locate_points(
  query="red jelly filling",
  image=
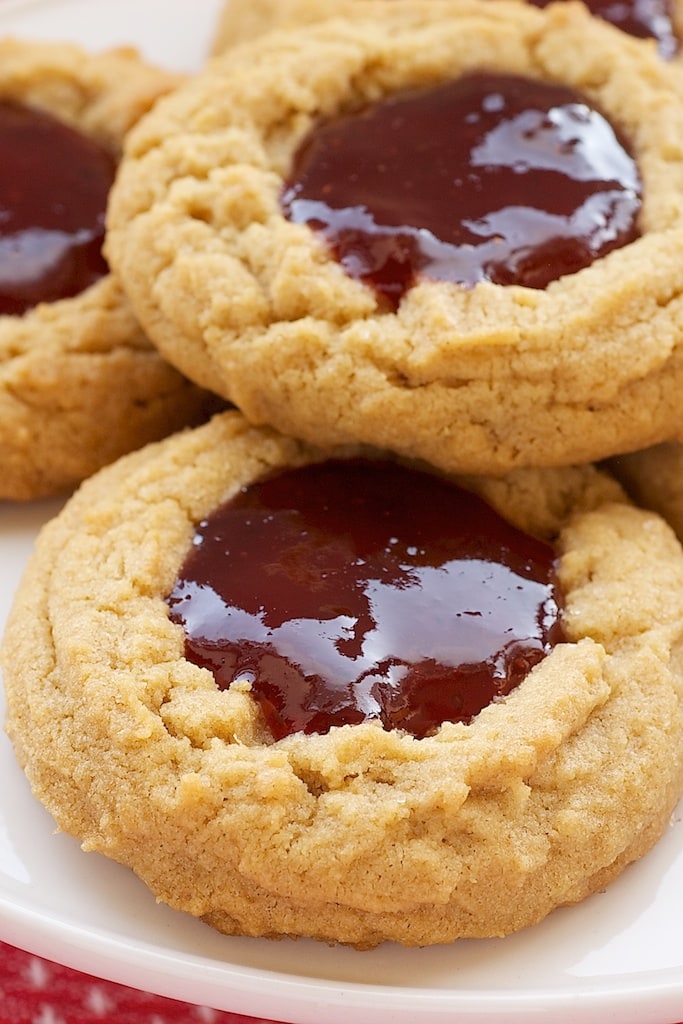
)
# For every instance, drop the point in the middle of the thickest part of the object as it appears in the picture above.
(645, 19)
(54, 185)
(491, 177)
(357, 590)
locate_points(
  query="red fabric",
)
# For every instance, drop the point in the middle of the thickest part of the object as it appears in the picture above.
(35, 991)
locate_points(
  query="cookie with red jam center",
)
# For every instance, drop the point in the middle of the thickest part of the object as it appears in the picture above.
(80, 383)
(314, 775)
(448, 231)
(243, 19)
(643, 19)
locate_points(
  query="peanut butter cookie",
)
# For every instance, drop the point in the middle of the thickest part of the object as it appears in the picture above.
(241, 20)
(177, 723)
(79, 381)
(298, 228)
(654, 478)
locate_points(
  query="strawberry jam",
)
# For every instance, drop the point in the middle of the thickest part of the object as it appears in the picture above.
(354, 590)
(491, 177)
(54, 184)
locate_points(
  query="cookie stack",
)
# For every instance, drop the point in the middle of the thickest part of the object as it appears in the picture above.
(379, 653)
(80, 383)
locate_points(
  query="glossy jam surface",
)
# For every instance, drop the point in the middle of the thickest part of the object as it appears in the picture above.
(358, 590)
(645, 19)
(54, 185)
(489, 177)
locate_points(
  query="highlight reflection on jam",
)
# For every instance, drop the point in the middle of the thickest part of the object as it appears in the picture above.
(356, 590)
(644, 19)
(489, 177)
(54, 184)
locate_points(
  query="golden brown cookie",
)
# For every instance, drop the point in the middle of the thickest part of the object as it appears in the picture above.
(359, 834)
(79, 381)
(473, 379)
(654, 479)
(241, 20)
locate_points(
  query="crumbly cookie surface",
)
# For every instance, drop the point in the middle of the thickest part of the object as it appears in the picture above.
(360, 835)
(473, 380)
(80, 383)
(241, 20)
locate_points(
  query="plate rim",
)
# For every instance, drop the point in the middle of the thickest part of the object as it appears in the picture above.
(650, 997)
(653, 997)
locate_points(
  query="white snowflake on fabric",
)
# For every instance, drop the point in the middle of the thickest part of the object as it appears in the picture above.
(48, 1015)
(37, 973)
(98, 1002)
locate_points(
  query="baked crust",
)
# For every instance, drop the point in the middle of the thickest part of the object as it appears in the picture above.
(654, 479)
(476, 380)
(242, 20)
(359, 835)
(80, 384)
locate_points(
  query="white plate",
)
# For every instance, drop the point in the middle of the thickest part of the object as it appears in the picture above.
(617, 958)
